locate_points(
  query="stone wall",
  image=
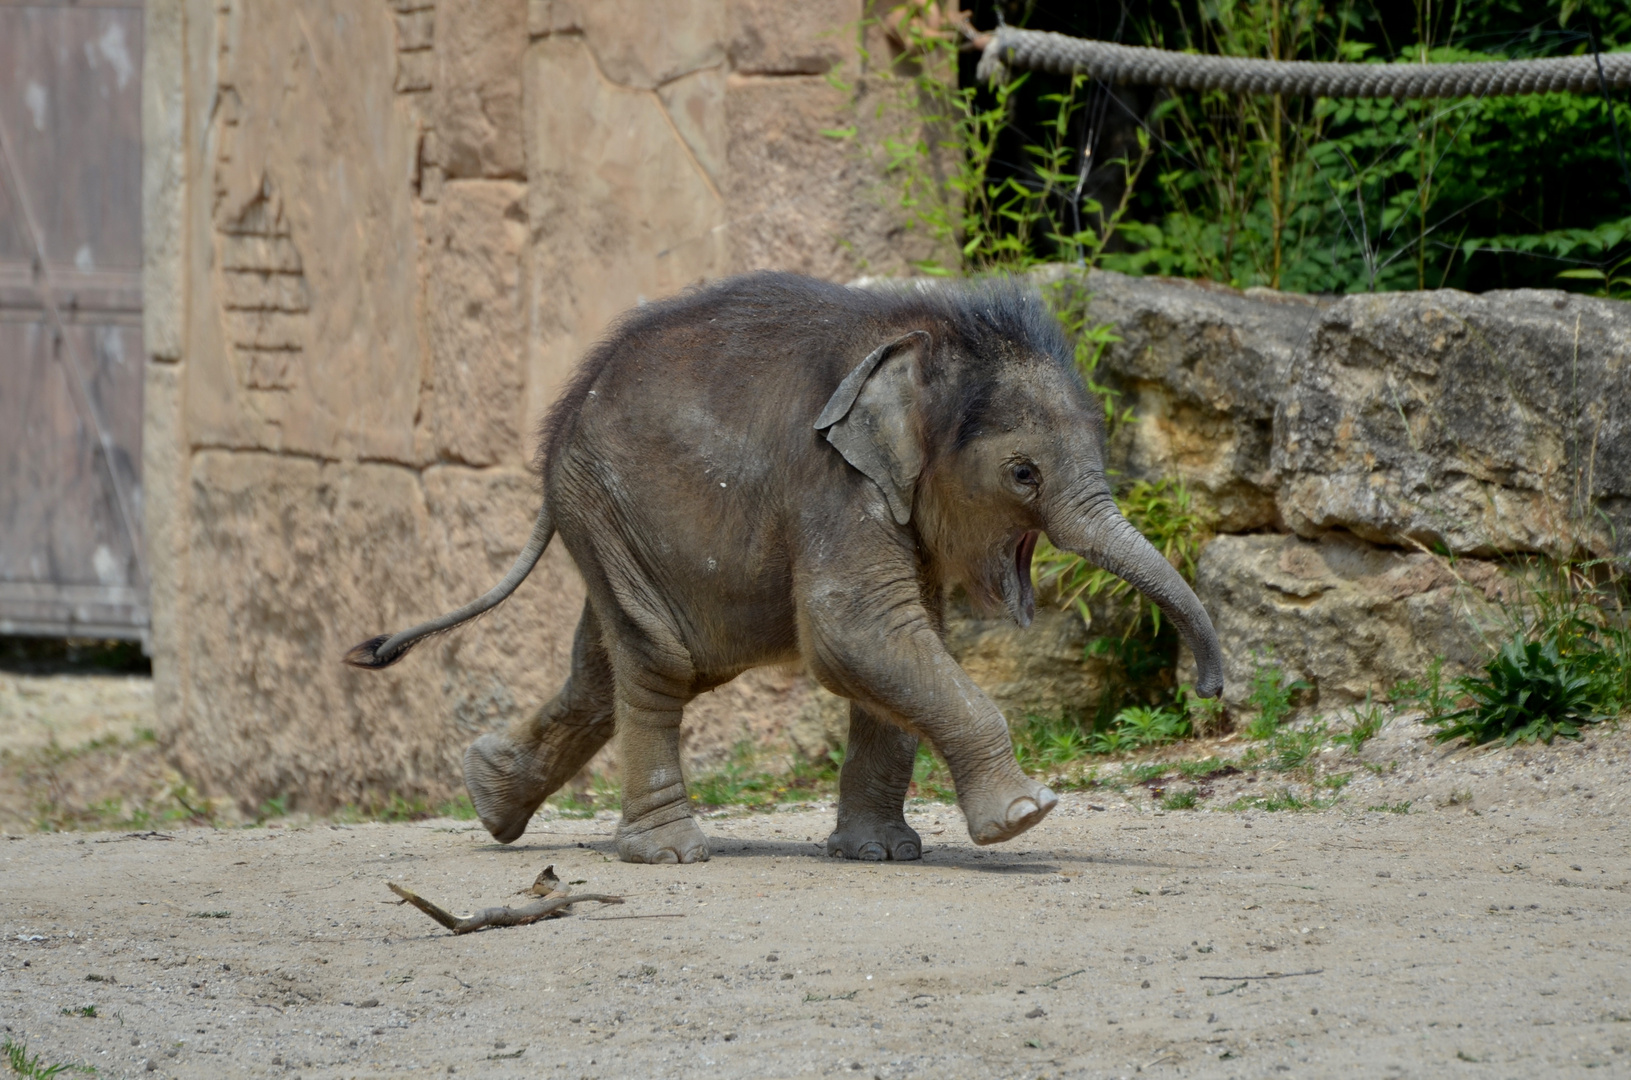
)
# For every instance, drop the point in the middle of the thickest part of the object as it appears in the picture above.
(379, 234)
(1366, 457)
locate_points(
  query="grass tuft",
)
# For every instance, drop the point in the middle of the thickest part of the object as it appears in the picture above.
(32, 1068)
(1284, 799)
(1180, 800)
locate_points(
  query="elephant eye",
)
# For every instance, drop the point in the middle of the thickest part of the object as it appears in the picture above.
(1025, 473)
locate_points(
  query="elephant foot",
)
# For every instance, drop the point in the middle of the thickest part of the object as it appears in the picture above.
(678, 841)
(875, 841)
(503, 786)
(998, 816)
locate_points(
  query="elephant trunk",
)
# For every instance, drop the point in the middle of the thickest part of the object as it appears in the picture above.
(1095, 529)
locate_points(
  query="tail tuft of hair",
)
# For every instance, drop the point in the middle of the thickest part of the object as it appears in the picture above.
(366, 655)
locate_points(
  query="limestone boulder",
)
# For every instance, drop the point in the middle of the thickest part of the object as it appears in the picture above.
(1201, 367)
(1479, 424)
(1345, 616)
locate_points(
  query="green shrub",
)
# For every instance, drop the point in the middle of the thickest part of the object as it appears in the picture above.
(1528, 692)
(1270, 696)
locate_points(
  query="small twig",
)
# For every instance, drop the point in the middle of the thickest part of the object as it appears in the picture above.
(1062, 978)
(1270, 975)
(554, 898)
(609, 918)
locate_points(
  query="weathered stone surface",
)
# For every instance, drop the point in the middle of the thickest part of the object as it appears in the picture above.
(1201, 367)
(770, 37)
(801, 200)
(696, 107)
(646, 43)
(621, 209)
(164, 515)
(474, 238)
(164, 176)
(1039, 669)
(513, 659)
(478, 116)
(271, 201)
(1481, 423)
(1346, 617)
(289, 559)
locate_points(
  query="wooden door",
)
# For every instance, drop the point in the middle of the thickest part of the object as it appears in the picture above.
(71, 555)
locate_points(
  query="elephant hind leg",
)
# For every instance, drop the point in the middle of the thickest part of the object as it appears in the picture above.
(509, 774)
(872, 790)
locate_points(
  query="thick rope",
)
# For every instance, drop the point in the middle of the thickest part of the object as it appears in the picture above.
(1037, 50)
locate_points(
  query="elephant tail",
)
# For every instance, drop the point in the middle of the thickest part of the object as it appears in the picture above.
(387, 649)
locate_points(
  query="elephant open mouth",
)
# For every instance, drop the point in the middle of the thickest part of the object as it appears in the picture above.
(1022, 598)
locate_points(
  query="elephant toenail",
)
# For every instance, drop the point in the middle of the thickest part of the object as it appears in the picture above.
(907, 852)
(1020, 810)
(872, 851)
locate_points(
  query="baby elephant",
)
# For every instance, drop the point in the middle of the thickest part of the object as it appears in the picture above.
(774, 469)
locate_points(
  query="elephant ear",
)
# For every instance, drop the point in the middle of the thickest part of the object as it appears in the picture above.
(872, 418)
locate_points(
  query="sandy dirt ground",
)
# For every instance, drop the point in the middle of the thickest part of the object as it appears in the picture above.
(1484, 933)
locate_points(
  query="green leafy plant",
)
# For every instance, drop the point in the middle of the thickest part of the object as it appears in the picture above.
(931, 779)
(1270, 695)
(1048, 742)
(1391, 808)
(1206, 715)
(1145, 772)
(1147, 726)
(1367, 723)
(1528, 692)
(1291, 749)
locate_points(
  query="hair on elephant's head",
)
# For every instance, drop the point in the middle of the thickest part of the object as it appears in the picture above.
(971, 417)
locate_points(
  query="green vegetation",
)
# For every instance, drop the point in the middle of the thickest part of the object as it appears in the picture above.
(1270, 696)
(740, 782)
(1430, 693)
(1367, 723)
(1180, 800)
(1200, 770)
(1304, 194)
(32, 1068)
(931, 778)
(1391, 808)
(1528, 692)
(1284, 799)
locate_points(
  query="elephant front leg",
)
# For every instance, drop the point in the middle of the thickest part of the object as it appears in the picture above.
(907, 674)
(872, 792)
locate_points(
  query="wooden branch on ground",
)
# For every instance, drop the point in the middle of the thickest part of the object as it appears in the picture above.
(554, 898)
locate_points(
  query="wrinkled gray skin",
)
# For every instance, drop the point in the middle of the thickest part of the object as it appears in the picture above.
(777, 470)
